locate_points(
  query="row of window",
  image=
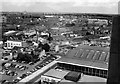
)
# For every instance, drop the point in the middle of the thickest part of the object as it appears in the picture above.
(84, 70)
(12, 44)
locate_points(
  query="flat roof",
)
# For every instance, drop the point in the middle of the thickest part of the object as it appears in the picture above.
(87, 78)
(67, 82)
(56, 74)
(97, 57)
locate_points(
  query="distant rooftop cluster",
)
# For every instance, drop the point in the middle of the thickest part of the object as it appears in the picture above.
(75, 47)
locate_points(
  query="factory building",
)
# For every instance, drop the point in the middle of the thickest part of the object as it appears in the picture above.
(82, 64)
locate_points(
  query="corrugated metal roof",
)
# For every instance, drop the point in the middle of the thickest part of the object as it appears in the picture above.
(95, 56)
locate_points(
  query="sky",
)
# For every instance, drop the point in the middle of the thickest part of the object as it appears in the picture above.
(66, 6)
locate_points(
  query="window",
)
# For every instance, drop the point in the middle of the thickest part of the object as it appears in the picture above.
(8, 44)
(105, 74)
(87, 70)
(5, 44)
(77, 68)
(101, 73)
(97, 72)
(82, 69)
(93, 71)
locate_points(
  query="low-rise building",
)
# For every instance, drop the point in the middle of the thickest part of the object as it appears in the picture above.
(10, 44)
(82, 64)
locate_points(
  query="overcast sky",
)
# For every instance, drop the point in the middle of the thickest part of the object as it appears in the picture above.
(69, 6)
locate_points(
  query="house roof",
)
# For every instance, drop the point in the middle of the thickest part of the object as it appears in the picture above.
(10, 33)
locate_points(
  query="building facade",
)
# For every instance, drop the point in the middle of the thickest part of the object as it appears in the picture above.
(11, 44)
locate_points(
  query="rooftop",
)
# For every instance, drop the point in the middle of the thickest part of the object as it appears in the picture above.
(84, 78)
(56, 74)
(88, 56)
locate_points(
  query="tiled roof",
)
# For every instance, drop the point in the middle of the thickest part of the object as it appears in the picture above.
(88, 56)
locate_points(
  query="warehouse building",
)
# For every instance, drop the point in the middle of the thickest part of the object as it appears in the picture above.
(82, 64)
